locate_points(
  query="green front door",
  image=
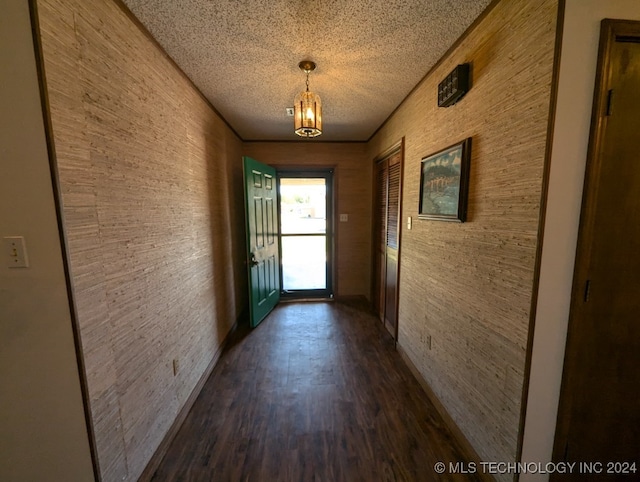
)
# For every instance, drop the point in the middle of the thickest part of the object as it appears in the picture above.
(263, 261)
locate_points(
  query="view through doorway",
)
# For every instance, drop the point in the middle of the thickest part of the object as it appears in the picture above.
(306, 233)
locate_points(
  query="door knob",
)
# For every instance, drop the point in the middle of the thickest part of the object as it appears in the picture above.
(254, 261)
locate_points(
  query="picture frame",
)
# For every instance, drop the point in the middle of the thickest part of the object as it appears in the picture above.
(444, 183)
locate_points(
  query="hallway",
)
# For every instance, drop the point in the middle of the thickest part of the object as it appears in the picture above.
(316, 392)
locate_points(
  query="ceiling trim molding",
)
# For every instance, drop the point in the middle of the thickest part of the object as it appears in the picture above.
(146, 32)
(390, 151)
(125, 9)
(444, 57)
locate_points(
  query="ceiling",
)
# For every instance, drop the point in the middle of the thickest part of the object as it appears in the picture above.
(243, 55)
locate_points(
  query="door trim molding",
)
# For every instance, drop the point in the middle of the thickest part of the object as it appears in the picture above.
(553, 101)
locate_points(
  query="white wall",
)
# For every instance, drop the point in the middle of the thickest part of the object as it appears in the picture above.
(43, 435)
(570, 139)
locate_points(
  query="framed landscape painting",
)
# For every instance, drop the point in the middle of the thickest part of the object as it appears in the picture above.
(444, 183)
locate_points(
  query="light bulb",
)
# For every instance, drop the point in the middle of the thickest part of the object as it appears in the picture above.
(310, 114)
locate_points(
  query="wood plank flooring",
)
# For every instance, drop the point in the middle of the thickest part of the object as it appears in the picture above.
(317, 392)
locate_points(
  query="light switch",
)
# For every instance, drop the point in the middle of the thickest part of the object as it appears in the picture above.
(344, 218)
(409, 222)
(15, 252)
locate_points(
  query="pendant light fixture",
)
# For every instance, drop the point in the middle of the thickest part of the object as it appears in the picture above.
(307, 107)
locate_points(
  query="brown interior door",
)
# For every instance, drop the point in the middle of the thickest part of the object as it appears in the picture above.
(393, 231)
(599, 413)
(387, 240)
(380, 239)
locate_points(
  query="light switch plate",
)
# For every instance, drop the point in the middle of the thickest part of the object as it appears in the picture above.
(344, 218)
(409, 222)
(15, 252)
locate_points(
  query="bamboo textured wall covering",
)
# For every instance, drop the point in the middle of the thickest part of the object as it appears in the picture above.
(149, 176)
(152, 213)
(469, 286)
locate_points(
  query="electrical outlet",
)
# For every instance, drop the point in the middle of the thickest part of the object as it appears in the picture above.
(15, 252)
(176, 366)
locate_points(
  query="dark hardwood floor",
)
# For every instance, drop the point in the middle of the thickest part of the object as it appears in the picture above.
(316, 393)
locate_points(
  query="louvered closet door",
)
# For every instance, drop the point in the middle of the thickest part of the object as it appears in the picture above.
(380, 241)
(386, 242)
(392, 242)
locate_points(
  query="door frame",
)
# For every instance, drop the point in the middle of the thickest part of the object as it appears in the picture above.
(311, 172)
(398, 146)
(609, 30)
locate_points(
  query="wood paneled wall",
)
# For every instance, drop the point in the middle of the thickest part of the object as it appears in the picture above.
(149, 176)
(353, 187)
(469, 286)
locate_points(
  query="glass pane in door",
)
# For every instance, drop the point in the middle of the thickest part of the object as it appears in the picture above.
(304, 262)
(303, 218)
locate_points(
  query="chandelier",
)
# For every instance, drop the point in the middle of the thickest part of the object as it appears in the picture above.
(307, 107)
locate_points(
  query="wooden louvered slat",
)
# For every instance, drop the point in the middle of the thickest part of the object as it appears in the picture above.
(380, 236)
(393, 205)
(381, 204)
(386, 238)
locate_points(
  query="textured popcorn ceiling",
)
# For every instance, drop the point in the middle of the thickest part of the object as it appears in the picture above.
(243, 55)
